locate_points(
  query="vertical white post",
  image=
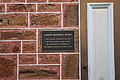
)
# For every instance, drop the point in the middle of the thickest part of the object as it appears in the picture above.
(100, 41)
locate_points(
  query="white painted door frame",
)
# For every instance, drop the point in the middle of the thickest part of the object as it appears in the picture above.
(91, 47)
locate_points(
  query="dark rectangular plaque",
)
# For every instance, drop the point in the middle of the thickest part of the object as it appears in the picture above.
(58, 41)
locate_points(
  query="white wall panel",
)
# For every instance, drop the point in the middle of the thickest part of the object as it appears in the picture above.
(100, 41)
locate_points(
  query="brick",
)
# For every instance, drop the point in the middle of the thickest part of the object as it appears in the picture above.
(6, 1)
(70, 15)
(17, 34)
(76, 32)
(27, 59)
(37, 0)
(13, 21)
(63, 0)
(8, 68)
(49, 7)
(29, 47)
(2, 8)
(49, 59)
(10, 47)
(45, 20)
(70, 66)
(39, 72)
(21, 8)
(39, 41)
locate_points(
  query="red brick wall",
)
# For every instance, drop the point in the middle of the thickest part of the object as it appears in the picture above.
(21, 23)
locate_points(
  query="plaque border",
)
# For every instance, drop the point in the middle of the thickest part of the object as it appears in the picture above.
(58, 50)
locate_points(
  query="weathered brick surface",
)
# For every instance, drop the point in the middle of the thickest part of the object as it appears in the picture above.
(10, 47)
(39, 72)
(40, 41)
(70, 15)
(17, 34)
(21, 25)
(13, 20)
(29, 47)
(45, 20)
(21, 8)
(27, 59)
(2, 8)
(12, 1)
(49, 59)
(76, 32)
(37, 0)
(49, 7)
(70, 67)
(8, 67)
(63, 0)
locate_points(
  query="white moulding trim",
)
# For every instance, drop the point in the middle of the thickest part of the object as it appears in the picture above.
(109, 7)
